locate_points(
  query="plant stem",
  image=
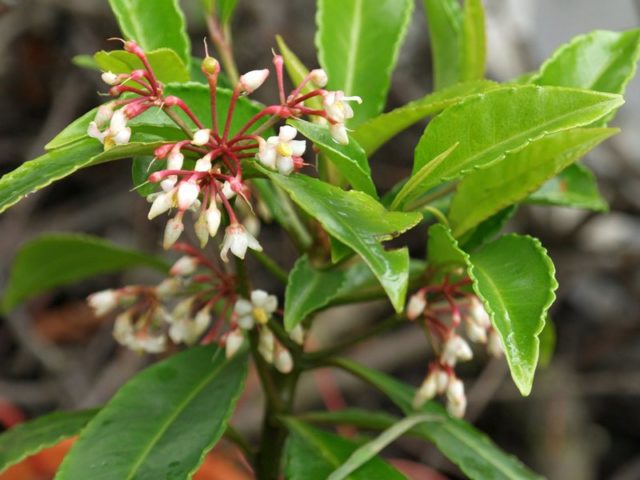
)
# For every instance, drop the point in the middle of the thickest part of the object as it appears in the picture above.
(267, 262)
(222, 42)
(234, 436)
(178, 121)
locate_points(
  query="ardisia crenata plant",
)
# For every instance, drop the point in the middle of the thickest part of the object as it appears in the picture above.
(208, 159)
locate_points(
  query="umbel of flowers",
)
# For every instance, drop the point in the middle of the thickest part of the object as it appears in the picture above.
(216, 178)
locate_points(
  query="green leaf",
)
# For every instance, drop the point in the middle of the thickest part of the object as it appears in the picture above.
(474, 41)
(141, 168)
(226, 9)
(575, 187)
(375, 132)
(161, 26)
(308, 289)
(312, 454)
(490, 125)
(487, 191)
(297, 71)
(445, 21)
(487, 230)
(166, 64)
(350, 159)
(358, 43)
(85, 61)
(54, 260)
(412, 189)
(29, 438)
(162, 422)
(601, 60)
(360, 222)
(472, 451)
(35, 174)
(515, 279)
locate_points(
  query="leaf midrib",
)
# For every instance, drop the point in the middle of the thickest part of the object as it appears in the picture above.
(354, 40)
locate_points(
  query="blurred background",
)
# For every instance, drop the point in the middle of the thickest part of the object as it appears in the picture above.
(582, 420)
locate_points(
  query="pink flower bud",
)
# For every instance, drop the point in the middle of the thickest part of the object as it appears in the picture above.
(163, 150)
(251, 81)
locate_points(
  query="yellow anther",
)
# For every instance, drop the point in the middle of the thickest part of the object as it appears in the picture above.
(260, 315)
(284, 149)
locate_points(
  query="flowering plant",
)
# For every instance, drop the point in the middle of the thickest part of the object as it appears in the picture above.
(208, 157)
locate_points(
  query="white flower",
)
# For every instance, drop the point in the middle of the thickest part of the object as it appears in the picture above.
(237, 239)
(283, 360)
(117, 134)
(475, 332)
(203, 164)
(319, 77)
(417, 304)
(168, 287)
(109, 78)
(259, 309)
(187, 194)
(233, 342)
(494, 345)
(227, 190)
(172, 231)
(427, 390)
(104, 114)
(162, 203)
(251, 81)
(187, 330)
(200, 227)
(339, 133)
(455, 348)
(149, 343)
(478, 313)
(201, 137)
(336, 106)
(267, 345)
(184, 266)
(279, 152)
(456, 398)
(442, 380)
(103, 302)
(175, 159)
(213, 217)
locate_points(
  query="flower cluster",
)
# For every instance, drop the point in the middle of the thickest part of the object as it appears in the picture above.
(442, 322)
(203, 173)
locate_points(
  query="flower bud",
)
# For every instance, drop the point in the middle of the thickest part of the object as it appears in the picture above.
(442, 380)
(187, 194)
(213, 217)
(184, 266)
(319, 77)
(201, 137)
(455, 348)
(283, 360)
(104, 114)
(251, 81)
(175, 160)
(103, 302)
(339, 133)
(200, 227)
(478, 313)
(168, 287)
(210, 66)
(168, 183)
(203, 164)
(417, 304)
(161, 204)
(266, 345)
(456, 398)
(494, 344)
(109, 78)
(172, 232)
(427, 390)
(233, 342)
(475, 332)
(297, 334)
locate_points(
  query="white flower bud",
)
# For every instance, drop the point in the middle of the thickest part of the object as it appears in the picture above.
(172, 232)
(187, 194)
(203, 164)
(283, 360)
(109, 78)
(213, 217)
(456, 398)
(201, 137)
(478, 313)
(227, 191)
(455, 348)
(201, 230)
(168, 287)
(427, 390)
(442, 380)
(417, 304)
(104, 114)
(266, 345)
(494, 345)
(184, 266)
(103, 302)
(475, 332)
(175, 160)
(319, 77)
(168, 183)
(297, 334)
(233, 342)
(339, 133)
(161, 204)
(251, 81)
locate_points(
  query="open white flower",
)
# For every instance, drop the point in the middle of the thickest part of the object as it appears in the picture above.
(279, 152)
(237, 239)
(103, 302)
(257, 310)
(337, 107)
(117, 134)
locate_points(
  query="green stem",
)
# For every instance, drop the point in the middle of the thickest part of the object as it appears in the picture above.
(178, 121)
(234, 436)
(270, 264)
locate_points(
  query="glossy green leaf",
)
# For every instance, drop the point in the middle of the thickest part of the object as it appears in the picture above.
(474, 41)
(141, 168)
(445, 21)
(575, 187)
(412, 189)
(226, 9)
(360, 222)
(162, 25)
(35, 174)
(490, 125)
(601, 60)
(350, 159)
(487, 191)
(54, 260)
(375, 132)
(162, 422)
(308, 289)
(166, 64)
(443, 251)
(358, 43)
(487, 230)
(515, 279)
(85, 61)
(297, 71)
(314, 454)
(29, 438)
(471, 450)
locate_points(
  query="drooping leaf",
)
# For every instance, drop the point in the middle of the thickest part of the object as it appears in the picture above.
(166, 64)
(350, 159)
(471, 450)
(575, 187)
(308, 289)
(162, 422)
(360, 222)
(601, 60)
(375, 132)
(157, 26)
(54, 260)
(515, 279)
(486, 191)
(445, 21)
(297, 71)
(490, 125)
(474, 41)
(312, 454)
(29, 438)
(358, 43)
(42, 171)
